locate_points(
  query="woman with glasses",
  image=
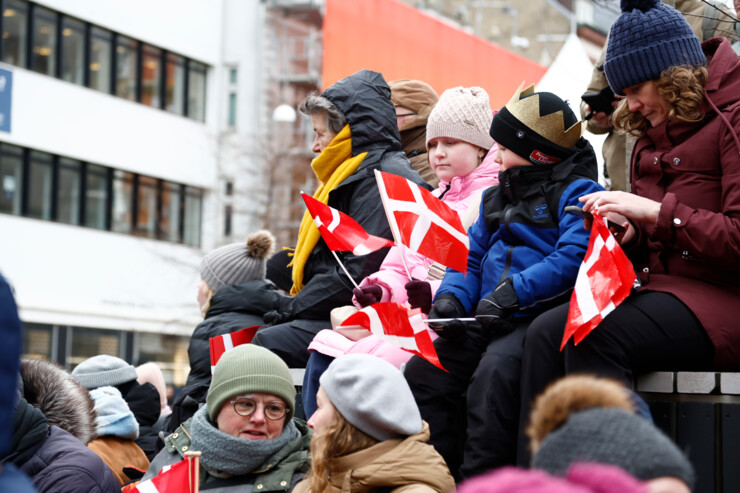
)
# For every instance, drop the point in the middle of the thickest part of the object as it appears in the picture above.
(369, 435)
(246, 432)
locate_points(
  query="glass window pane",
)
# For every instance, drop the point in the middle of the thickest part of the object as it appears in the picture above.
(197, 91)
(123, 186)
(44, 41)
(175, 90)
(39, 190)
(96, 194)
(151, 76)
(170, 222)
(232, 110)
(101, 42)
(146, 222)
(68, 195)
(73, 50)
(169, 352)
(193, 202)
(126, 68)
(37, 341)
(87, 343)
(11, 174)
(15, 15)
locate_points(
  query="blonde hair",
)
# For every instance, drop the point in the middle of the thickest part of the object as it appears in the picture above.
(208, 291)
(683, 89)
(336, 440)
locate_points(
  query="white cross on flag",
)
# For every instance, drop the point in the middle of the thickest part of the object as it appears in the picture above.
(341, 232)
(220, 344)
(422, 222)
(397, 325)
(171, 479)
(604, 280)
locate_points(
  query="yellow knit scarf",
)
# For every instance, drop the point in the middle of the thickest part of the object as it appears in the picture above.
(332, 167)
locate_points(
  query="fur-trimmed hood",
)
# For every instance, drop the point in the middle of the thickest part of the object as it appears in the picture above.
(64, 402)
(570, 395)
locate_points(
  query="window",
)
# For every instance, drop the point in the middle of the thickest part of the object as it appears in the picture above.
(15, 20)
(171, 206)
(232, 76)
(39, 186)
(232, 110)
(169, 352)
(229, 188)
(175, 88)
(73, 50)
(86, 343)
(101, 44)
(37, 341)
(193, 203)
(96, 197)
(11, 174)
(126, 57)
(197, 91)
(44, 41)
(228, 214)
(68, 192)
(151, 76)
(146, 221)
(123, 191)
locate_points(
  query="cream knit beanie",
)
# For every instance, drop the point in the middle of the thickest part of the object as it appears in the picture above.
(462, 113)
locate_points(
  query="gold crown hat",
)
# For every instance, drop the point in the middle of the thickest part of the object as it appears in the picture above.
(541, 138)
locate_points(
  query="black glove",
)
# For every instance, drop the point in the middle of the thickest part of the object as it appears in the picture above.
(495, 312)
(420, 295)
(282, 313)
(369, 295)
(447, 306)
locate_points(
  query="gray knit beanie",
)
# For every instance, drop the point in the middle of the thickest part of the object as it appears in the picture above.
(372, 395)
(238, 262)
(617, 437)
(249, 368)
(102, 370)
(462, 113)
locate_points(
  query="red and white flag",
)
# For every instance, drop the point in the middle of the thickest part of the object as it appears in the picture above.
(221, 344)
(422, 222)
(341, 232)
(604, 280)
(398, 325)
(176, 478)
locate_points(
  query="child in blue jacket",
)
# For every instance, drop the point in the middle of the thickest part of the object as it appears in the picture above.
(525, 252)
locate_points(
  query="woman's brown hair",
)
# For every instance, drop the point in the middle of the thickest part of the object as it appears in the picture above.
(336, 440)
(683, 89)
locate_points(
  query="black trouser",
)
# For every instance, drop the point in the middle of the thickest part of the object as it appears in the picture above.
(290, 340)
(489, 371)
(649, 331)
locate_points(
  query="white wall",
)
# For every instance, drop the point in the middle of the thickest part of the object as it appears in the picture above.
(78, 276)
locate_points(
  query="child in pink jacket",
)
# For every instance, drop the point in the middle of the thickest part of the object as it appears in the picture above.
(458, 144)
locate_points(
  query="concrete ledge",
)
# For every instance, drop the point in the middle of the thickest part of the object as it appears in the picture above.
(659, 381)
(729, 383)
(689, 382)
(696, 382)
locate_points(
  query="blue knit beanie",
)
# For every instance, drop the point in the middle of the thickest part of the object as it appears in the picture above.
(646, 39)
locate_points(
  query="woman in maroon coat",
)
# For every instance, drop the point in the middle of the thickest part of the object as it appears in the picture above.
(682, 100)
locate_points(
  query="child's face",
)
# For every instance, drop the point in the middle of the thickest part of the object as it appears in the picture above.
(450, 157)
(506, 158)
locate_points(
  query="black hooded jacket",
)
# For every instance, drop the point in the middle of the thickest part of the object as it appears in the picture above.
(364, 99)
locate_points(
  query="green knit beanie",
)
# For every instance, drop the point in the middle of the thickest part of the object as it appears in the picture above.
(249, 368)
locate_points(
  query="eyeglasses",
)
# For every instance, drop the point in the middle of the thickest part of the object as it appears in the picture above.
(245, 406)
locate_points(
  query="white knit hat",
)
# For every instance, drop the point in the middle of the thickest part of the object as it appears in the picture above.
(372, 395)
(462, 113)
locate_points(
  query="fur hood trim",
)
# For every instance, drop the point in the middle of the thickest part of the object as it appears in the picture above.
(570, 395)
(64, 402)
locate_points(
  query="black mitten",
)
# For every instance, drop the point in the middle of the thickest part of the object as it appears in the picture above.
(369, 295)
(420, 295)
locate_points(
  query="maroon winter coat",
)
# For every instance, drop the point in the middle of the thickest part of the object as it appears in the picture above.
(693, 170)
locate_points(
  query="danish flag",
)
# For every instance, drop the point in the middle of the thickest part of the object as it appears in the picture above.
(176, 478)
(398, 325)
(341, 232)
(220, 344)
(604, 280)
(422, 222)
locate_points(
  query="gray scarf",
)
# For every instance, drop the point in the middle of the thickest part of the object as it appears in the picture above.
(225, 455)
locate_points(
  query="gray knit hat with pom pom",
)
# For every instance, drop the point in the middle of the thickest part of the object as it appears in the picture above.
(238, 262)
